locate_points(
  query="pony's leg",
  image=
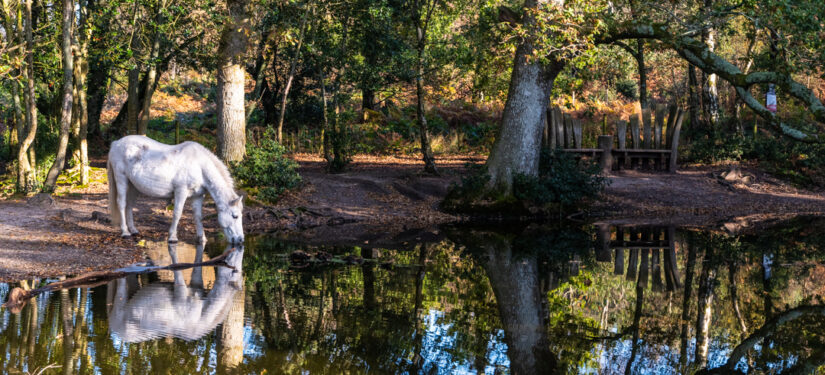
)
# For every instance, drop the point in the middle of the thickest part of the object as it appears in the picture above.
(122, 191)
(131, 199)
(180, 200)
(197, 210)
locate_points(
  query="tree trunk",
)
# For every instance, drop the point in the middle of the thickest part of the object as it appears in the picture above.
(338, 143)
(710, 95)
(68, 91)
(16, 134)
(26, 177)
(144, 115)
(325, 129)
(421, 118)
(230, 101)
(132, 102)
(640, 64)
(81, 111)
(368, 99)
(426, 149)
(293, 65)
(516, 150)
(96, 93)
(258, 72)
(693, 99)
(83, 132)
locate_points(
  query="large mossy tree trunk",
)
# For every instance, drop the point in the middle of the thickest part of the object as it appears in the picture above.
(230, 106)
(518, 145)
(67, 97)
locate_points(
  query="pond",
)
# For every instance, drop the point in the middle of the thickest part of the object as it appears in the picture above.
(531, 300)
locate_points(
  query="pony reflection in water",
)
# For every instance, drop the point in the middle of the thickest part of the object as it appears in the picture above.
(140, 164)
(163, 309)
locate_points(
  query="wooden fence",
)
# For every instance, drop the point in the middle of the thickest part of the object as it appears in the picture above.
(641, 253)
(654, 142)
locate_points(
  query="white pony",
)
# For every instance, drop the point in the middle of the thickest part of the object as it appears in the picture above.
(140, 164)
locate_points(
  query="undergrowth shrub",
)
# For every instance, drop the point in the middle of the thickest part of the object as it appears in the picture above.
(564, 179)
(802, 164)
(565, 182)
(266, 170)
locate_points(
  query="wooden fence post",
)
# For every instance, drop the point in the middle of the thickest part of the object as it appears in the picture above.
(177, 132)
(634, 131)
(621, 131)
(559, 127)
(568, 131)
(603, 242)
(659, 123)
(577, 133)
(618, 262)
(551, 117)
(606, 145)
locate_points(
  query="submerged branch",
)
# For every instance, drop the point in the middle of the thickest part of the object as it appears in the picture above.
(18, 297)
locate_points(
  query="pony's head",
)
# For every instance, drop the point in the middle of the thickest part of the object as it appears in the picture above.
(230, 218)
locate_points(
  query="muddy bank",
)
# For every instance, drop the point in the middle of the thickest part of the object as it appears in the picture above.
(41, 237)
(701, 196)
(380, 202)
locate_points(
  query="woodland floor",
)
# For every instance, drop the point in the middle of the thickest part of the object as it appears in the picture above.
(378, 201)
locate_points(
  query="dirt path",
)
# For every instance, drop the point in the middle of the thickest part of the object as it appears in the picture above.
(379, 201)
(41, 238)
(698, 196)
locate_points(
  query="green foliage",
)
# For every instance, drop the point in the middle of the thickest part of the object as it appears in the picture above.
(629, 88)
(564, 182)
(563, 179)
(471, 188)
(716, 147)
(266, 169)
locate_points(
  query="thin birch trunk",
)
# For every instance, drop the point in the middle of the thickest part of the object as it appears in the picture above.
(26, 177)
(68, 97)
(293, 65)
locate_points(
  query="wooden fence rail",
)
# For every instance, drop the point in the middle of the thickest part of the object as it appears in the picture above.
(654, 144)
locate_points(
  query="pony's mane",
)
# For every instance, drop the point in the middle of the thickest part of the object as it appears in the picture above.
(220, 166)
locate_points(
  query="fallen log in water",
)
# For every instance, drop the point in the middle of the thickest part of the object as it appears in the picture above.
(18, 297)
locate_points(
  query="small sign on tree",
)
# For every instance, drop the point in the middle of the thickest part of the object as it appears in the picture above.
(771, 98)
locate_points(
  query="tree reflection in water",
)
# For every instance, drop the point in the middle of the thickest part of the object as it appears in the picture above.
(587, 299)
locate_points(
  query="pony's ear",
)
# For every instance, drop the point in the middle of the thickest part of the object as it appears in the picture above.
(235, 201)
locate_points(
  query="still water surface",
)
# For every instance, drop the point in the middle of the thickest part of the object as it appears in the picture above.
(584, 299)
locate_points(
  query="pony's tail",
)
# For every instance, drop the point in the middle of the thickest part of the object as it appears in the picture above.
(114, 210)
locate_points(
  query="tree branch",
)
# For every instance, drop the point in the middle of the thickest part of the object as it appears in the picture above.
(697, 53)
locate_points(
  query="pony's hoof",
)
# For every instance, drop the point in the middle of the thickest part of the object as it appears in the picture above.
(125, 236)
